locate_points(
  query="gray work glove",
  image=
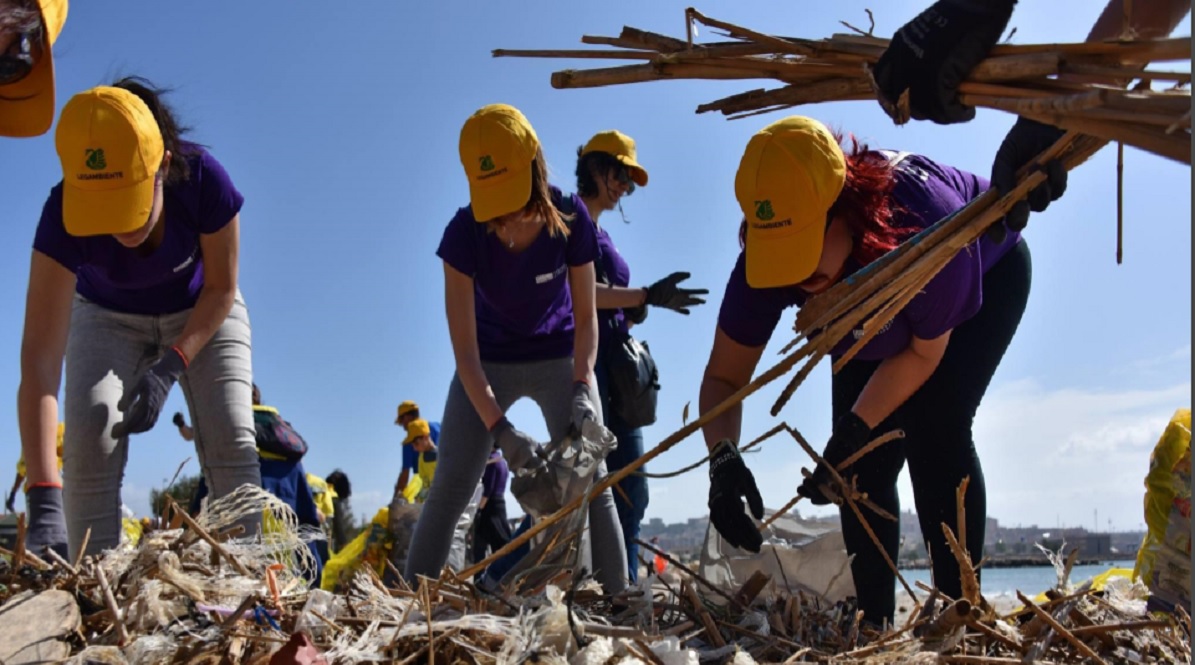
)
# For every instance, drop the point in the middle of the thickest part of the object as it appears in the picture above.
(667, 294)
(47, 522)
(520, 450)
(582, 404)
(143, 404)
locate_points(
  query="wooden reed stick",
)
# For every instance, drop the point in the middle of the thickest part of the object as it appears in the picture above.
(207, 537)
(846, 495)
(1061, 630)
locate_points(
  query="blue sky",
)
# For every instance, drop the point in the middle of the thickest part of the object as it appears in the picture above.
(340, 127)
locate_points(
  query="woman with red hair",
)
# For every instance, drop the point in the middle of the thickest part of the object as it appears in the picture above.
(813, 215)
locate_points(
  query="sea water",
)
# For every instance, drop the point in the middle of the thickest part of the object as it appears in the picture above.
(1029, 580)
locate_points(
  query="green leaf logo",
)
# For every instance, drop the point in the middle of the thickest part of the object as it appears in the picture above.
(763, 210)
(487, 163)
(95, 159)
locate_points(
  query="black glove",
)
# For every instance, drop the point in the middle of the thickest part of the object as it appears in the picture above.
(932, 54)
(142, 405)
(11, 503)
(666, 294)
(582, 404)
(850, 434)
(730, 481)
(179, 421)
(47, 521)
(519, 449)
(1026, 140)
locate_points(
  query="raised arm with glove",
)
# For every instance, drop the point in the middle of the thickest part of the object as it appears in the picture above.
(668, 294)
(931, 55)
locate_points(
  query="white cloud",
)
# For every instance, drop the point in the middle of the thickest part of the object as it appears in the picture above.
(1060, 455)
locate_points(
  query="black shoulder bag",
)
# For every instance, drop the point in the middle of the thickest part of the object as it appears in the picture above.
(631, 375)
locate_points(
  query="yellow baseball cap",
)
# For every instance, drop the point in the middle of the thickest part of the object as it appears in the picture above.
(622, 147)
(497, 148)
(405, 408)
(416, 429)
(111, 149)
(27, 105)
(791, 174)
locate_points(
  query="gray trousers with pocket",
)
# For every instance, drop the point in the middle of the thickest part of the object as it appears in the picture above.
(465, 446)
(106, 353)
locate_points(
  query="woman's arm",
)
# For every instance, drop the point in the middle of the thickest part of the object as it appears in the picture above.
(462, 329)
(619, 297)
(220, 252)
(898, 377)
(47, 322)
(581, 284)
(729, 369)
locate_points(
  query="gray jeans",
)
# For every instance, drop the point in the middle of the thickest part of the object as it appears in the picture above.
(108, 351)
(465, 446)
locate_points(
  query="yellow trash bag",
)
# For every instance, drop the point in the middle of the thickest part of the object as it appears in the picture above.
(1161, 490)
(1098, 583)
(413, 488)
(371, 547)
(131, 529)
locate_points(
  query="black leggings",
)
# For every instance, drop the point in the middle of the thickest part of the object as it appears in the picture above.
(938, 443)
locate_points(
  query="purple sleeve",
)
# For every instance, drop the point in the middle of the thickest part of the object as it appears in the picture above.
(748, 316)
(457, 247)
(219, 200)
(51, 237)
(582, 240)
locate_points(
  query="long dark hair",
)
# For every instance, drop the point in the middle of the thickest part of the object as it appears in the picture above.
(172, 130)
(865, 204)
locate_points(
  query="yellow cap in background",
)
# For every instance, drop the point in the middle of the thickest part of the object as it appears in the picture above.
(416, 429)
(791, 174)
(497, 147)
(405, 408)
(622, 147)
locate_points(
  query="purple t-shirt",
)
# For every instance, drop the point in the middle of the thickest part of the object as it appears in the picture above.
(493, 479)
(618, 273)
(925, 192)
(523, 305)
(168, 280)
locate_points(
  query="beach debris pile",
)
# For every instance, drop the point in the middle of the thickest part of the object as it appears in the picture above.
(203, 593)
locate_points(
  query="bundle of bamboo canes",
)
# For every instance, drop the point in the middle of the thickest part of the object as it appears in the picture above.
(1079, 87)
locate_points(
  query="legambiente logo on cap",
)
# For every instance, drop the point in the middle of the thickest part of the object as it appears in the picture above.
(95, 159)
(96, 162)
(488, 168)
(763, 209)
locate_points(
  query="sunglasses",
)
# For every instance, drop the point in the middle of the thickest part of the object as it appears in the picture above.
(16, 66)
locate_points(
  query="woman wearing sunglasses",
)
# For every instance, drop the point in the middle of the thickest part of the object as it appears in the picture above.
(28, 30)
(607, 170)
(519, 288)
(814, 214)
(134, 282)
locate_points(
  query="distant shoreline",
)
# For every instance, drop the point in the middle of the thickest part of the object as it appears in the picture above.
(1020, 562)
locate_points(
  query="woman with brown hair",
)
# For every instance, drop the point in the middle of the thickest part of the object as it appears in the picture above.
(815, 214)
(519, 289)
